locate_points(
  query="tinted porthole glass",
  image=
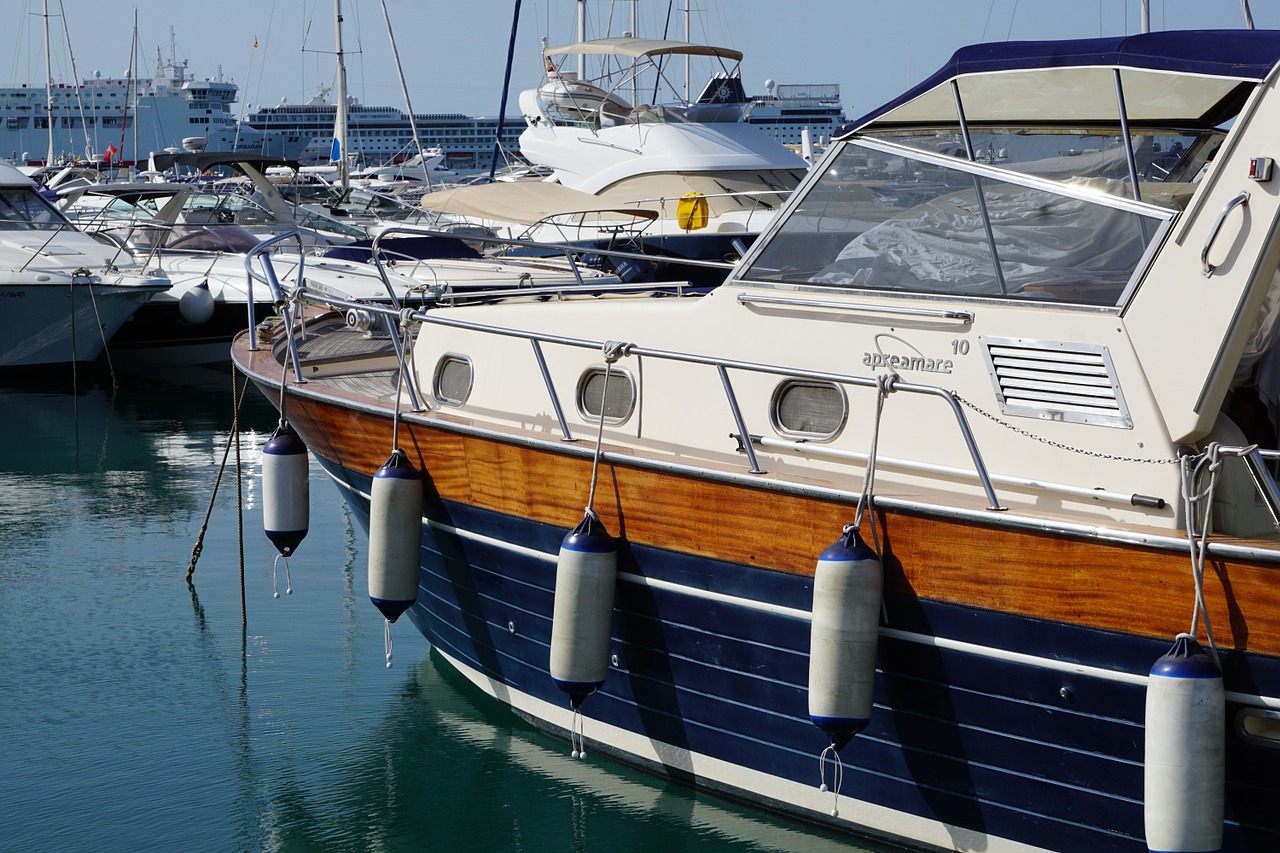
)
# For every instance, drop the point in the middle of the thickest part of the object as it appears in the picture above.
(452, 380)
(619, 399)
(809, 409)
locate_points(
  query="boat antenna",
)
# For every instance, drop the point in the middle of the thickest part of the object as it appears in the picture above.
(1248, 15)
(413, 126)
(506, 84)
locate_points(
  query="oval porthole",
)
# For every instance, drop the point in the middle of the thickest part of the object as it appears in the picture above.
(809, 409)
(451, 384)
(616, 402)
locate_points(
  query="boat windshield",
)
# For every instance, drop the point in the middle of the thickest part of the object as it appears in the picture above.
(22, 209)
(886, 218)
(1160, 155)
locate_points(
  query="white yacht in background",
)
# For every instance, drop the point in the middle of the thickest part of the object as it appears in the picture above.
(707, 181)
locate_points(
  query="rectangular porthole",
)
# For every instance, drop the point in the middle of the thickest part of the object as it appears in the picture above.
(452, 383)
(808, 409)
(617, 401)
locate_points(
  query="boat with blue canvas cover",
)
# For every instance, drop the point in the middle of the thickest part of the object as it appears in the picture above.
(948, 519)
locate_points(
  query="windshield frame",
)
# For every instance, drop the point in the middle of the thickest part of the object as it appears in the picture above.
(1163, 217)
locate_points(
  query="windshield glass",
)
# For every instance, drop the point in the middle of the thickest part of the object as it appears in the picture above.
(22, 208)
(1160, 155)
(883, 218)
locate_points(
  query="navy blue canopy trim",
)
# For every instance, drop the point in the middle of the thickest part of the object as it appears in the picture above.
(1242, 54)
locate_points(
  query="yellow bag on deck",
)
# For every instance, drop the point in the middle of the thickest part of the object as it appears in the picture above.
(692, 211)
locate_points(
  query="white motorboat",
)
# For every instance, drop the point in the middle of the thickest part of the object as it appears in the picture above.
(711, 181)
(63, 295)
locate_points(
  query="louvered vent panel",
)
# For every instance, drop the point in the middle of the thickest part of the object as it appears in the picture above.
(1056, 381)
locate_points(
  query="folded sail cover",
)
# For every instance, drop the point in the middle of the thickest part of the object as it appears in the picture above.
(1174, 77)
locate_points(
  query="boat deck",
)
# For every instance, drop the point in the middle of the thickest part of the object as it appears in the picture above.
(349, 359)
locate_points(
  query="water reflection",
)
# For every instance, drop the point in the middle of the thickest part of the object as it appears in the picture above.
(447, 764)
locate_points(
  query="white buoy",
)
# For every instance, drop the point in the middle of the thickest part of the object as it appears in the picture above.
(395, 536)
(1185, 752)
(582, 618)
(843, 636)
(285, 490)
(197, 304)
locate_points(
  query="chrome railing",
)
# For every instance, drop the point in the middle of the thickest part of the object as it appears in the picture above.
(722, 365)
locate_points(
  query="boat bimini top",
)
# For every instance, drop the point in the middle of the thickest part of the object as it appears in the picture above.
(1178, 78)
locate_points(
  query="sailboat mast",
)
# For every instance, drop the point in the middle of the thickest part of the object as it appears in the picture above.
(686, 58)
(48, 83)
(404, 87)
(582, 36)
(340, 118)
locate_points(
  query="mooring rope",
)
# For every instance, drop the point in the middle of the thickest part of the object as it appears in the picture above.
(102, 333)
(884, 387)
(837, 776)
(238, 401)
(612, 351)
(1200, 503)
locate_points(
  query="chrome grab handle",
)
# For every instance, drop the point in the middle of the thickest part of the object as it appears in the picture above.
(902, 311)
(1205, 267)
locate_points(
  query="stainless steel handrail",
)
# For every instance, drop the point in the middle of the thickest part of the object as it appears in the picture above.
(722, 365)
(863, 307)
(1207, 268)
(268, 277)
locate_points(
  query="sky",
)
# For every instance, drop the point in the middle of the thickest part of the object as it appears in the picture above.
(453, 55)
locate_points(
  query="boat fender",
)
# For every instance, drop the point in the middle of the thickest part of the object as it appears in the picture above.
(582, 615)
(395, 535)
(197, 304)
(843, 636)
(285, 490)
(1185, 751)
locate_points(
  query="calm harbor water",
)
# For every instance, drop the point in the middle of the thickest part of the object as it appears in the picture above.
(137, 715)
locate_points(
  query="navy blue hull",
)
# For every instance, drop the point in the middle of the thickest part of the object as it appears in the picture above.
(961, 733)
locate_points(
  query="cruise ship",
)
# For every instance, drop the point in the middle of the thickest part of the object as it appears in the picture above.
(785, 110)
(379, 134)
(130, 119)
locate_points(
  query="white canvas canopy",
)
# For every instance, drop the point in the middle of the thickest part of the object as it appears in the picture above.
(637, 48)
(522, 202)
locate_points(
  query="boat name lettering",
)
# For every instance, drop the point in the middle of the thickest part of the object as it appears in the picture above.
(876, 360)
(14, 294)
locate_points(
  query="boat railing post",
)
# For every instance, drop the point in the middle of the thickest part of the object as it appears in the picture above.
(268, 277)
(375, 250)
(551, 389)
(743, 436)
(969, 440)
(405, 373)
